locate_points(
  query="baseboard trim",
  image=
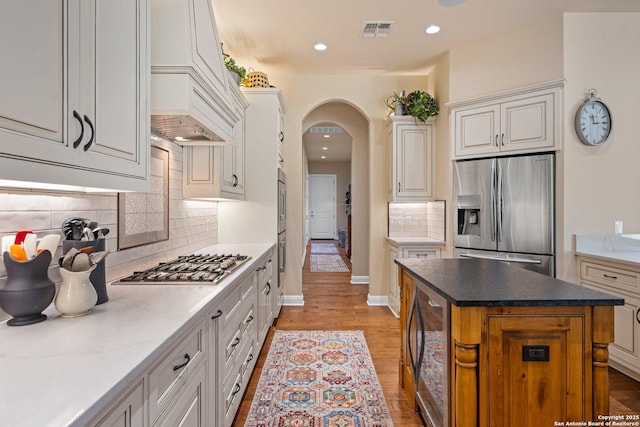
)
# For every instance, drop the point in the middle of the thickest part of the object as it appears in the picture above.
(359, 280)
(293, 300)
(377, 300)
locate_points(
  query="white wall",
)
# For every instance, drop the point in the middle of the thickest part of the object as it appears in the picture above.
(192, 224)
(600, 184)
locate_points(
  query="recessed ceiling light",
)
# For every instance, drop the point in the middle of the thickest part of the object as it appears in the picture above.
(182, 139)
(323, 157)
(327, 136)
(325, 148)
(432, 29)
(320, 47)
(451, 2)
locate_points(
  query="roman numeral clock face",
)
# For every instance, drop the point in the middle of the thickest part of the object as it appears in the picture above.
(593, 122)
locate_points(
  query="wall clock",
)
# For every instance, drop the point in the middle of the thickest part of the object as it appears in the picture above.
(593, 120)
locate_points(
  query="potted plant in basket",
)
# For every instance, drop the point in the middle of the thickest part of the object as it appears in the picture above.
(421, 105)
(238, 72)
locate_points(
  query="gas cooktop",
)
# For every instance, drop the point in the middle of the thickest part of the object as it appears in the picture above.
(189, 270)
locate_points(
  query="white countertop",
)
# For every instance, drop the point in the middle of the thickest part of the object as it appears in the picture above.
(61, 371)
(614, 247)
(414, 241)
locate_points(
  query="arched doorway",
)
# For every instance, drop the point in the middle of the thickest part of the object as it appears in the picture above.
(347, 156)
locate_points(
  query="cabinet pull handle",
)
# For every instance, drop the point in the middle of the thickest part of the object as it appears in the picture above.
(250, 358)
(218, 314)
(497, 140)
(182, 365)
(503, 139)
(268, 288)
(236, 389)
(249, 319)
(235, 180)
(77, 141)
(235, 342)
(398, 187)
(638, 315)
(281, 136)
(88, 144)
(609, 276)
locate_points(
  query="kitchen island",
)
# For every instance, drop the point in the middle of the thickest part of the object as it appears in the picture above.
(139, 359)
(518, 348)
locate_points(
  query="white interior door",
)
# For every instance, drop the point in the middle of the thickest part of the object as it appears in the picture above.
(322, 206)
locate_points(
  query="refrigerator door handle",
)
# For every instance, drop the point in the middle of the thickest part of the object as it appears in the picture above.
(499, 202)
(493, 200)
(498, 258)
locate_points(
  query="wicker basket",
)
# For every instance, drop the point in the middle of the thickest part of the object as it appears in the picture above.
(256, 79)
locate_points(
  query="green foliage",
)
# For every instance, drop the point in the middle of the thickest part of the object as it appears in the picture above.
(231, 65)
(421, 105)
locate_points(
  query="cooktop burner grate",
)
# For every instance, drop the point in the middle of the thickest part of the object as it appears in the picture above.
(188, 269)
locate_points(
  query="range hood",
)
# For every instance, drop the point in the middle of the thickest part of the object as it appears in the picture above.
(191, 99)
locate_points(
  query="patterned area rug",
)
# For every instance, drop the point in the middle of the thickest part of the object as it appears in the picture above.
(318, 379)
(326, 263)
(323, 248)
(431, 370)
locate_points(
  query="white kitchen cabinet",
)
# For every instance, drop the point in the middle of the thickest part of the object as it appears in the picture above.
(397, 250)
(74, 85)
(237, 343)
(189, 409)
(128, 411)
(256, 219)
(621, 280)
(218, 172)
(266, 293)
(168, 376)
(527, 120)
(412, 159)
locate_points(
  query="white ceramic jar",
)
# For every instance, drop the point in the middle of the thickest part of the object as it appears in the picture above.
(76, 295)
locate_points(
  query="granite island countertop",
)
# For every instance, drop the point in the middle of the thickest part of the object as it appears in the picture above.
(486, 283)
(61, 372)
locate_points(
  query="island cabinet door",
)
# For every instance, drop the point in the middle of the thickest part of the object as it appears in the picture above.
(536, 371)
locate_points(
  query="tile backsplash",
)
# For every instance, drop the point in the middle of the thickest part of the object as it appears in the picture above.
(192, 224)
(417, 220)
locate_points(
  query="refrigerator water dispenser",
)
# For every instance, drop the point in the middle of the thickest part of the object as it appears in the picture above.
(468, 208)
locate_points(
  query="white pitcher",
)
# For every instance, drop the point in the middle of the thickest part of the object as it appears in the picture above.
(76, 295)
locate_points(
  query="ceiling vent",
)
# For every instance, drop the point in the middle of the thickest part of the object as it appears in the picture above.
(376, 29)
(326, 129)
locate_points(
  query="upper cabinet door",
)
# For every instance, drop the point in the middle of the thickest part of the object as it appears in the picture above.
(32, 101)
(527, 123)
(115, 67)
(412, 166)
(74, 102)
(476, 130)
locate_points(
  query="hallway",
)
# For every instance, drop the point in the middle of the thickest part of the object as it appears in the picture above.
(332, 303)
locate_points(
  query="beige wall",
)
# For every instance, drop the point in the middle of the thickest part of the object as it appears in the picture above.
(524, 56)
(303, 93)
(342, 171)
(600, 183)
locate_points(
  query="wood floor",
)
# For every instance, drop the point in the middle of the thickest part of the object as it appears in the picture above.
(332, 303)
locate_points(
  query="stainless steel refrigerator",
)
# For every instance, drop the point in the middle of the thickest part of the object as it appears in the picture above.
(505, 210)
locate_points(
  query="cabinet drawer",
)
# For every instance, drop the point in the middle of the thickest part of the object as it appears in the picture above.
(232, 304)
(232, 394)
(168, 376)
(610, 276)
(420, 253)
